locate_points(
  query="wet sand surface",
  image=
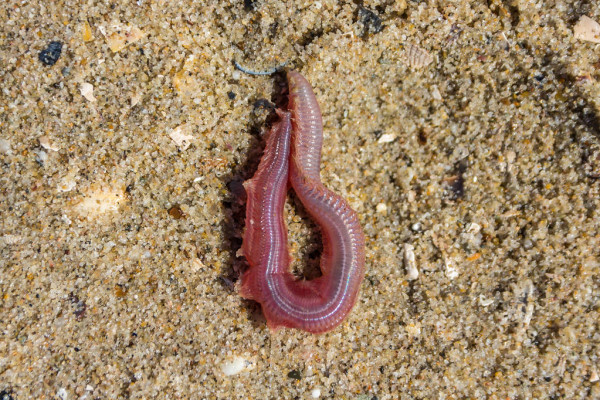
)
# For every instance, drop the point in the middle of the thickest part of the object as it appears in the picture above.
(465, 135)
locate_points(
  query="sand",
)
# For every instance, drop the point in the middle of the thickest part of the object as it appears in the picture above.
(467, 133)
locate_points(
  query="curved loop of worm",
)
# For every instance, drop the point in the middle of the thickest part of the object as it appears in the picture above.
(269, 71)
(292, 157)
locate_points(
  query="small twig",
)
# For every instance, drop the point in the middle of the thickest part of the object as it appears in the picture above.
(270, 71)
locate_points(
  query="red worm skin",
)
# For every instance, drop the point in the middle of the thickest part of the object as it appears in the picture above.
(293, 154)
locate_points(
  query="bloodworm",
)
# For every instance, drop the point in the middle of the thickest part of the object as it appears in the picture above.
(293, 155)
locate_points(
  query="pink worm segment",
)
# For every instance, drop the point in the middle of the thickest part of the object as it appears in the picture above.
(293, 154)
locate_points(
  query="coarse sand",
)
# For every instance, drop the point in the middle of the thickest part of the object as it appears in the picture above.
(465, 134)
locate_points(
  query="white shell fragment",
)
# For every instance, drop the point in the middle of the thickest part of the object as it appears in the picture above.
(451, 270)
(485, 302)
(235, 365)
(135, 99)
(410, 262)
(417, 57)
(180, 138)
(435, 93)
(46, 143)
(587, 29)
(387, 138)
(100, 200)
(67, 183)
(5, 146)
(87, 91)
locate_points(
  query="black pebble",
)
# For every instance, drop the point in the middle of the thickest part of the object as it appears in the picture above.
(370, 20)
(6, 395)
(51, 54)
(249, 5)
(294, 374)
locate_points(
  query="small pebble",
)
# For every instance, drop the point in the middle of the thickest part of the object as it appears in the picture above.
(5, 146)
(594, 375)
(451, 270)
(387, 138)
(50, 55)
(47, 144)
(235, 366)
(435, 93)
(294, 374)
(315, 393)
(485, 302)
(62, 394)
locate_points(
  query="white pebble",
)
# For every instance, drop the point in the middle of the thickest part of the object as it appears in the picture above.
(233, 367)
(387, 138)
(315, 393)
(451, 270)
(236, 364)
(46, 143)
(485, 302)
(5, 146)
(435, 93)
(381, 208)
(62, 394)
(594, 375)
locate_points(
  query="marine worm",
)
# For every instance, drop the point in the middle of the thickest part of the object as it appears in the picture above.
(292, 156)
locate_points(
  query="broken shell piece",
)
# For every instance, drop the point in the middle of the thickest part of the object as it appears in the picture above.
(387, 138)
(235, 365)
(46, 143)
(87, 91)
(485, 302)
(417, 57)
(67, 183)
(99, 200)
(587, 29)
(123, 37)
(197, 265)
(451, 270)
(135, 99)
(5, 146)
(594, 374)
(180, 138)
(410, 262)
(435, 93)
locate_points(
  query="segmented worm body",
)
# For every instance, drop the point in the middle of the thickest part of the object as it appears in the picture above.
(293, 155)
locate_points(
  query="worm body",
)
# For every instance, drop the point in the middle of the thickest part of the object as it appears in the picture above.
(292, 155)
